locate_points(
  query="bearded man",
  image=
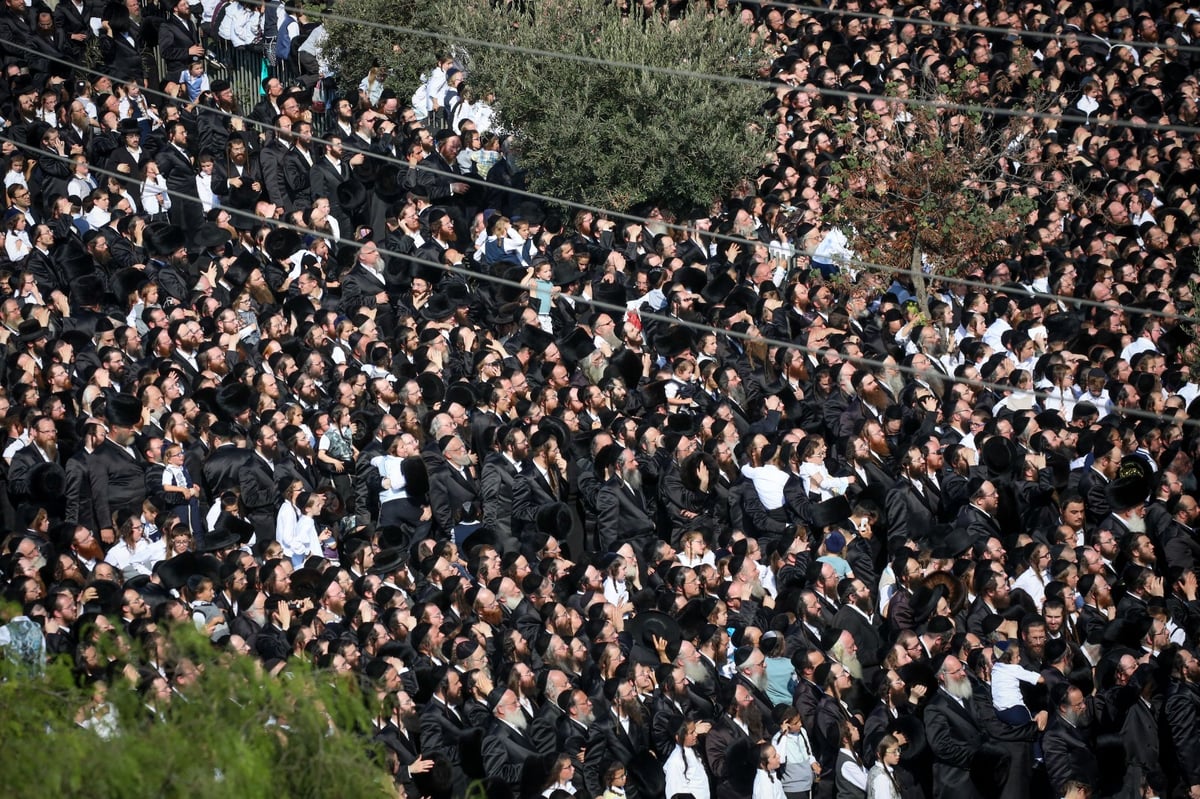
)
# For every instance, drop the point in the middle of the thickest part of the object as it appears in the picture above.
(857, 616)
(41, 449)
(508, 753)
(953, 733)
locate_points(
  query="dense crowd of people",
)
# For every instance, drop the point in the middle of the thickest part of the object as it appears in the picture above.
(668, 506)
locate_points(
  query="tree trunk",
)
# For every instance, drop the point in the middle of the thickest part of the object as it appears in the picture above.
(920, 287)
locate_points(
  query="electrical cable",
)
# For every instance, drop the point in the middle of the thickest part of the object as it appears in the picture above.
(464, 273)
(854, 262)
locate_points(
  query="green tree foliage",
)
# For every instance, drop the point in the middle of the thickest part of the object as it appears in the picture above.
(354, 48)
(934, 190)
(609, 136)
(234, 732)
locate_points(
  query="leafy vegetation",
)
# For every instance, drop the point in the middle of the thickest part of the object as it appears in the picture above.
(604, 135)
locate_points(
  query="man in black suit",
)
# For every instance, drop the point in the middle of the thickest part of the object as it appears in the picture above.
(330, 170)
(271, 158)
(621, 736)
(991, 598)
(953, 733)
(398, 729)
(542, 482)
(366, 287)
(500, 471)
(621, 507)
(829, 714)
(507, 751)
(178, 40)
(543, 731)
(443, 728)
(41, 449)
(1069, 746)
(670, 705)
(857, 617)
(257, 480)
(439, 175)
(911, 508)
(297, 166)
(118, 475)
(978, 518)
(272, 644)
(178, 169)
(223, 463)
(1181, 546)
(1182, 713)
(453, 486)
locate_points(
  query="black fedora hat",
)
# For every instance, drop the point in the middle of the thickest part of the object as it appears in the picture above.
(953, 545)
(924, 602)
(209, 235)
(351, 195)
(606, 294)
(283, 243)
(830, 512)
(535, 338)
(651, 624)
(164, 240)
(389, 560)
(124, 410)
(716, 290)
(437, 308)
(30, 331)
(233, 400)
(999, 455)
(566, 273)
(433, 388)
(692, 279)
(674, 341)
(576, 346)
(229, 532)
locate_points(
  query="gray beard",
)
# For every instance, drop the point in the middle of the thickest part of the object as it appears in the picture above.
(695, 672)
(634, 478)
(1135, 523)
(516, 719)
(959, 689)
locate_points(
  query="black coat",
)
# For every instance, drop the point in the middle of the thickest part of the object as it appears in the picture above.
(20, 473)
(512, 757)
(621, 514)
(295, 176)
(531, 493)
(118, 481)
(79, 507)
(359, 288)
(954, 738)
(496, 489)
(910, 514)
(450, 492)
(221, 469)
(1069, 754)
(175, 37)
(122, 60)
(271, 160)
(407, 749)
(1182, 714)
(260, 497)
(607, 744)
(866, 634)
(730, 782)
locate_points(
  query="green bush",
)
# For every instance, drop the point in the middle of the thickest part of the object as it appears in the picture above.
(605, 135)
(235, 732)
